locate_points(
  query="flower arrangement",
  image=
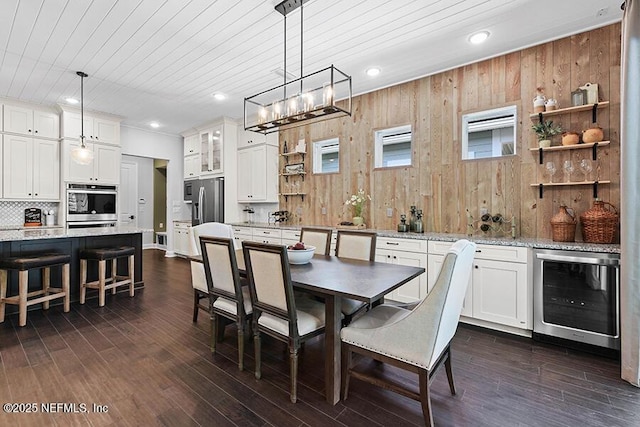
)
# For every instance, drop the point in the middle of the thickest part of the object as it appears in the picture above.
(357, 201)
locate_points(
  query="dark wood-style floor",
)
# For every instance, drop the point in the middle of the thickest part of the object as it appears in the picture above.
(149, 364)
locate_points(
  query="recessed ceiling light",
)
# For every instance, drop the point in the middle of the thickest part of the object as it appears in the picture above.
(479, 37)
(220, 96)
(154, 125)
(373, 71)
(71, 100)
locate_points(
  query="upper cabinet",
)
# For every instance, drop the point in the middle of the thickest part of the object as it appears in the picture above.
(31, 168)
(250, 139)
(27, 121)
(96, 128)
(191, 145)
(211, 143)
(103, 169)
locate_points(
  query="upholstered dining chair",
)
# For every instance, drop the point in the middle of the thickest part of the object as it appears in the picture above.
(198, 279)
(355, 245)
(227, 297)
(276, 311)
(417, 340)
(320, 238)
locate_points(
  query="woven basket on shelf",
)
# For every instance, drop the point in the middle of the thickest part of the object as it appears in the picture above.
(599, 224)
(563, 226)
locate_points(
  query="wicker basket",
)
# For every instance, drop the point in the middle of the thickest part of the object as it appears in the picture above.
(599, 224)
(563, 226)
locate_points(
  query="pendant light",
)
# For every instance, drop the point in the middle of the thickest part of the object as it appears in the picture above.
(307, 99)
(82, 155)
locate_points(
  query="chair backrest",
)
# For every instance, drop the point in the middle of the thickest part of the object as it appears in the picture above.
(213, 229)
(320, 238)
(267, 268)
(221, 268)
(356, 245)
(444, 302)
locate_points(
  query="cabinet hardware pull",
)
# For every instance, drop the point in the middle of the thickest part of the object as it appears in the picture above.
(476, 266)
(478, 251)
(393, 243)
(395, 257)
(29, 130)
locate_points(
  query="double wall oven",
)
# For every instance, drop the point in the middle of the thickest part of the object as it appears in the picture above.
(91, 205)
(577, 297)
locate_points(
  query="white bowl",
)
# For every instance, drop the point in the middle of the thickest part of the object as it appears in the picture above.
(301, 256)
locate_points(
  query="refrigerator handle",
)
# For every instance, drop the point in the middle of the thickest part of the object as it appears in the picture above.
(202, 199)
(199, 216)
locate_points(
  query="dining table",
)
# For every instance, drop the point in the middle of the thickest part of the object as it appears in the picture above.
(333, 279)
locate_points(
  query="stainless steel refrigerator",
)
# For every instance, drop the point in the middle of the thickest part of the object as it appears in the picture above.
(207, 201)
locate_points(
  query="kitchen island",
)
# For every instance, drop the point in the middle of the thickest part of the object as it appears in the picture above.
(34, 240)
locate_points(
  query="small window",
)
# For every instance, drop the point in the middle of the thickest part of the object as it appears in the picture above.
(326, 156)
(490, 133)
(393, 147)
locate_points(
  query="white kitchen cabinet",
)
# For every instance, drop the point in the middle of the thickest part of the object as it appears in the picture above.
(97, 129)
(191, 144)
(191, 166)
(241, 234)
(258, 174)
(499, 290)
(103, 169)
(27, 121)
(267, 235)
(251, 139)
(407, 252)
(31, 168)
(181, 238)
(211, 155)
(290, 237)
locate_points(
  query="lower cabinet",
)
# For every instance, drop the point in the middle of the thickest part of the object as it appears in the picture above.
(181, 241)
(405, 252)
(267, 235)
(500, 289)
(240, 234)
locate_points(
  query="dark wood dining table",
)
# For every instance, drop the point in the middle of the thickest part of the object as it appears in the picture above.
(335, 278)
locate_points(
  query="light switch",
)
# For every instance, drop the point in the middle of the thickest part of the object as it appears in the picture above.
(323, 210)
(389, 212)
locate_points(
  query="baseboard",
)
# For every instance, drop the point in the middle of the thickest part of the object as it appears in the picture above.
(496, 326)
(170, 254)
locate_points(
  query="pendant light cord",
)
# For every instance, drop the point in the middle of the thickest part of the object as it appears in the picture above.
(82, 76)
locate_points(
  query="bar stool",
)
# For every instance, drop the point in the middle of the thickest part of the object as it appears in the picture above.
(24, 299)
(102, 284)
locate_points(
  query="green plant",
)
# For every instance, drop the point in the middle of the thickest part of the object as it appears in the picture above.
(546, 129)
(357, 201)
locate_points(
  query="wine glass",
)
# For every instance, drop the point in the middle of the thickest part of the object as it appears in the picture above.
(551, 168)
(586, 167)
(568, 168)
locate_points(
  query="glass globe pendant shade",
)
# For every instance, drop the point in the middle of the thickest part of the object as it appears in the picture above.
(82, 155)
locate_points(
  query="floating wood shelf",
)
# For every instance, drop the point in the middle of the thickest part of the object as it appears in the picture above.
(287, 175)
(593, 145)
(567, 184)
(292, 153)
(287, 195)
(579, 108)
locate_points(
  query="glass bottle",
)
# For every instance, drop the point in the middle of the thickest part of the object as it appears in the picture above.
(285, 150)
(412, 219)
(402, 227)
(419, 228)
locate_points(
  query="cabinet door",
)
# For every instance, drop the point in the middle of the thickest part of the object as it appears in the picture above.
(181, 240)
(72, 126)
(434, 264)
(416, 289)
(258, 167)
(46, 124)
(250, 139)
(17, 159)
(191, 145)
(46, 169)
(18, 119)
(205, 147)
(106, 131)
(245, 175)
(74, 172)
(215, 151)
(106, 164)
(191, 165)
(500, 292)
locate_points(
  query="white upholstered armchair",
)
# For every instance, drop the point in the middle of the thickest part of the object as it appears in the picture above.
(198, 279)
(417, 340)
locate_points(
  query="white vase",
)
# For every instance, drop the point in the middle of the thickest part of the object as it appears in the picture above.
(544, 143)
(357, 220)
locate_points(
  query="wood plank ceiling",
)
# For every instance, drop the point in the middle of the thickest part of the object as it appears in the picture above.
(152, 60)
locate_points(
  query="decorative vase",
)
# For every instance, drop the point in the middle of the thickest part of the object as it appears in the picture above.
(570, 138)
(563, 225)
(538, 104)
(594, 134)
(357, 220)
(544, 143)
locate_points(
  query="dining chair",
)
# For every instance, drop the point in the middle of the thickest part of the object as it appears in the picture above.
(227, 297)
(417, 340)
(198, 279)
(359, 245)
(276, 311)
(320, 238)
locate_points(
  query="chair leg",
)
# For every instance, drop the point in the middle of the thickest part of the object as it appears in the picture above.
(293, 373)
(447, 366)
(346, 366)
(114, 271)
(221, 323)
(257, 346)
(425, 397)
(65, 287)
(46, 283)
(23, 289)
(102, 278)
(240, 346)
(131, 276)
(214, 331)
(4, 279)
(83, 280)
(195, 305)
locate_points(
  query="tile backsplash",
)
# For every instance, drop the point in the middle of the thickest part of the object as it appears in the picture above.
(12, 212)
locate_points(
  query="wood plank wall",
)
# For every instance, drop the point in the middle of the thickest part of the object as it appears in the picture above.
(441, 183)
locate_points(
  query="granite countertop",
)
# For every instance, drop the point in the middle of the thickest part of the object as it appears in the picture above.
(486, 240)
(34, 233)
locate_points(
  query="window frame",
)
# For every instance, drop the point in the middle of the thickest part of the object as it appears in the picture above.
(378, 141)
(319, 148)
(487, 115)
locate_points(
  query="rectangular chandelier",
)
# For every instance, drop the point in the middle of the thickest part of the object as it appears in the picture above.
(308, 99)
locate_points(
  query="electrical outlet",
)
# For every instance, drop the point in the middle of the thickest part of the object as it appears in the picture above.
(161, 225)
(323, 210)
(299, 210)
(389, 212)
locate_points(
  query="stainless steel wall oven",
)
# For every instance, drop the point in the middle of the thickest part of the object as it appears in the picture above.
(577, 296)
(91, 205)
